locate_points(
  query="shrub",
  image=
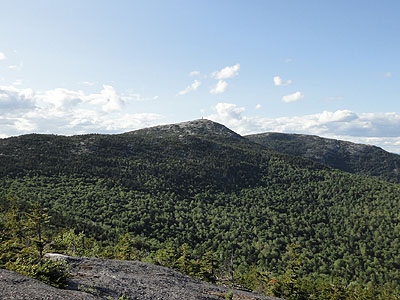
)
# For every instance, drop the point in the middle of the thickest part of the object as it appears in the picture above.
(51, 272)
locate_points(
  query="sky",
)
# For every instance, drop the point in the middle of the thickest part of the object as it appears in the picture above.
(327, 68)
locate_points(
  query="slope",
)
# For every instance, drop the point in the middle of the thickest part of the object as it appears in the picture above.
(202, 184)
(342, 155)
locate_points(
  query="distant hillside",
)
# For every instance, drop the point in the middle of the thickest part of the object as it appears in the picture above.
(342, 155)
(202, 184)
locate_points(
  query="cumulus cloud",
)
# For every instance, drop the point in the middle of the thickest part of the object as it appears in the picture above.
(380, 129)
(194, 86)
(135, 97)
(2, 56)
(24, 125)
(16, 67)
(227, 72)
(87, 83)
(292, 97)
(14, 99)
(194, 73)
(258, 106)
(108, 99)
(278, 81)
(220, 87)
(336, 116)
(129, 121)
(229, 110)
(230, 115)
(58, 99)
(64, 111)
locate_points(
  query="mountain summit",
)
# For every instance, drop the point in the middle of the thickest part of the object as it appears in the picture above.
(199, 127)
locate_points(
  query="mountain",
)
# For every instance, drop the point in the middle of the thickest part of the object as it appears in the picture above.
(98, 279)
(199, 183)
(342, 155)
(198, 128)
(170, 152)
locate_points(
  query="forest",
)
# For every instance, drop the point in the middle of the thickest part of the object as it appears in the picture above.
(203, 200)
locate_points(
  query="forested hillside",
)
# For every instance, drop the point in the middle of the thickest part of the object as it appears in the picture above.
(346, 156)
(200, 185)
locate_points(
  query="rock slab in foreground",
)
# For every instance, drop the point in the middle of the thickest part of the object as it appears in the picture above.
(109, 279)
(14, 286)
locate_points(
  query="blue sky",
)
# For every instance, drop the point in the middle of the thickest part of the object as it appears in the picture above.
(329, 68)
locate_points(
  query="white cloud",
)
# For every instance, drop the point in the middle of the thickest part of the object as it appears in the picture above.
(14, 99)
(278, 81)
(16, 67)
(87, 83)
(108, 98)
(2, 56)
(64, 111)
(227, 72)
(24, 125)
(130, 121)
(336, 116)
(17, 82)
(194, 86)
(58, 99)
(220, 87)
(292, 97)
(231, 116)
(258, 106)
(131, 96)
(229, 110)
(194, 73)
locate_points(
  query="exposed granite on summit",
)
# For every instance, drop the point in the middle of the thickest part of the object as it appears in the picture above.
(95, 279)
(197, 127)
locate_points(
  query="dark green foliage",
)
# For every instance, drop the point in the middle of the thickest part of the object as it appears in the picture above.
(129, 247)
(289, 285)
(208, 267)
(347, 229)
(142, 195)
(36, 220)
(51, 272)
(23, 239)
(345, 156)
(229, 295)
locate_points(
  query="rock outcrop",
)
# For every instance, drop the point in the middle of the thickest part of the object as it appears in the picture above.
(95, 279)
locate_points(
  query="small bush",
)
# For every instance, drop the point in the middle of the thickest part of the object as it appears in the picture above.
(229, 295)
(48, 271)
